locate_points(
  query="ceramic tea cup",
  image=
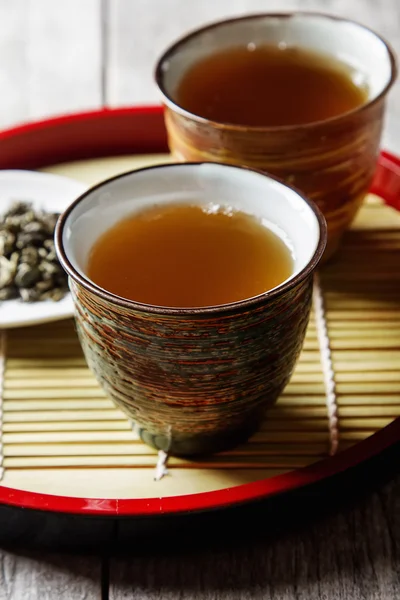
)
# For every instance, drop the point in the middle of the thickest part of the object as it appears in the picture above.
(331, 161)
(194, 380)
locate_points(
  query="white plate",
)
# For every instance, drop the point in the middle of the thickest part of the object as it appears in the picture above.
(49, 192)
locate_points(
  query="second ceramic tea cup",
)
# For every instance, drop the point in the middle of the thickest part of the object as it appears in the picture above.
(331, 161)
(194, 380)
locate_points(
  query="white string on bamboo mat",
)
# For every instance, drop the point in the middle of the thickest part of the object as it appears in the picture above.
(3, 340)
(327, 366)
(160, 470)
(161, 466)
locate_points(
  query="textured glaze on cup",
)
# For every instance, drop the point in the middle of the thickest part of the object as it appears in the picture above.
(193, 380)
(193, 384)
(331, 161)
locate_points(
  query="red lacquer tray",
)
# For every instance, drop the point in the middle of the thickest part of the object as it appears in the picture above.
(108, 133)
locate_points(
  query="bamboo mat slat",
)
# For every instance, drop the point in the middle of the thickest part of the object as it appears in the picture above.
(61, 434)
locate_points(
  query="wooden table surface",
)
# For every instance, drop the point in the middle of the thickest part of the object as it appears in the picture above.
(58, 57)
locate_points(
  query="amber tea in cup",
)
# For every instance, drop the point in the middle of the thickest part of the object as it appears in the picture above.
(186, 255)
(299, 95)
(269, 86)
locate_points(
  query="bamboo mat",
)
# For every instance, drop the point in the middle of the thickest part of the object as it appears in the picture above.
(61, 435)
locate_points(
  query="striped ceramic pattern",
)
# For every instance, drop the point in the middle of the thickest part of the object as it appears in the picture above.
(194, 383)
(332, 163)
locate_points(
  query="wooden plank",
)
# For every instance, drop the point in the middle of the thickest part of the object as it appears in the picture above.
(64, 49)
(46, 577)
(14, 99)
(353, 555)
(50, 58)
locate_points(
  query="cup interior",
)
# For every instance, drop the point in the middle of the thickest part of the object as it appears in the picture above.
(279, 207)
(370, 60)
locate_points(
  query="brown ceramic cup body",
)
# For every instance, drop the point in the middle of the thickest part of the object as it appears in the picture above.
(331, 161)
(194, 380)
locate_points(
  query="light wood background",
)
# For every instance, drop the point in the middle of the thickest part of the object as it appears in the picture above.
(60, 56)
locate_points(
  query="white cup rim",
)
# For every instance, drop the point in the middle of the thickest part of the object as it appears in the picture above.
(79, 277)
(181, 42)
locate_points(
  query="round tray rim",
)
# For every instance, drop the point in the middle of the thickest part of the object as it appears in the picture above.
(386, 184)
(204, 501)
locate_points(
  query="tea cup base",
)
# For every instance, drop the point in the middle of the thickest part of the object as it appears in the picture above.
(200, 444)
